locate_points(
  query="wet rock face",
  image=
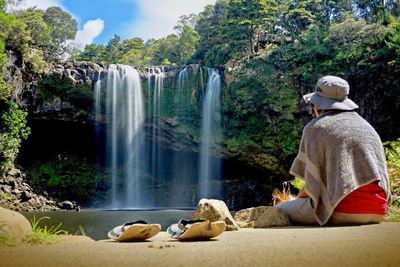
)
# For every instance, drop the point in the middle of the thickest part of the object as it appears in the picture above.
(17, 194)
(76, 72)
(23, 82)
(65, 92)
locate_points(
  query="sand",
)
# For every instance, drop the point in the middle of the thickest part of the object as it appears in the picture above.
(368, 245)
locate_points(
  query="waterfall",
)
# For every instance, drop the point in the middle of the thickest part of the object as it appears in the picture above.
(97, 114)
(181, 96)
(124, 117)
(182, 80)
(210, 134)
(201, 79)
(154, 110)
(182, 165)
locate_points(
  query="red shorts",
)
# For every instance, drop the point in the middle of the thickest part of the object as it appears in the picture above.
(367, 199)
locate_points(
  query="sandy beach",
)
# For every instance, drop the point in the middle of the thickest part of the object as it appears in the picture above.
(368, 245)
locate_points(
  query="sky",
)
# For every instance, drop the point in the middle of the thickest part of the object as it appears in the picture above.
(99, 20)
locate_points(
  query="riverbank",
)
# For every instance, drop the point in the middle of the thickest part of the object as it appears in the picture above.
(368, 245)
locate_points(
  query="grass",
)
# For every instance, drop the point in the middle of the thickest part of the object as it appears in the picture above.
(393, 214)
(44, 234)
(5, 239)
(84, 231)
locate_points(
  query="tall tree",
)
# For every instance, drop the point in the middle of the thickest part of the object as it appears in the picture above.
(252, 16)
(62, 28)
(189, 20)
(113, 49)
(213, 47)
(188, 39)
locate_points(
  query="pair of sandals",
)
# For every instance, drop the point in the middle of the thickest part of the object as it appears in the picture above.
(183, 230)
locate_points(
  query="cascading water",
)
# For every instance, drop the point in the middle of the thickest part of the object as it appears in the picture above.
(124, 117)
(182, 163)
(98, 112)
(210, 169)
(145, 171)
(181, 100)
(155, 78)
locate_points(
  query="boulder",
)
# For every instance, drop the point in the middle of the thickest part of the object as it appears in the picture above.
(261, 217)
(215, 210)
(14, 225)
(66, 205)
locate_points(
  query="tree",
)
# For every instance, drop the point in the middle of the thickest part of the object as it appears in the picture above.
(38, 29)
(132, 52)
(93, 52)
(113, 49)
(5, 90)
(372, 10)
(214, 47)
(252, 16)
(62, 27)
(184, 20)
(187, 44)
(167, 50)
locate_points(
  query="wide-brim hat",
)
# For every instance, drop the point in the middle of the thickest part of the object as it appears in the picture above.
(324, 103)
(134, 231)
(196, 229)
(331, 93)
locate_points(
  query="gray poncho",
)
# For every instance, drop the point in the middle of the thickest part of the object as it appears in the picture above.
(339, 152)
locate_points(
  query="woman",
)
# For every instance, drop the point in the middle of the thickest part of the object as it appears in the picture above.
(342, 161)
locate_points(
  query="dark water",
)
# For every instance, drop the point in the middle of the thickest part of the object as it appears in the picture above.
(97, 223)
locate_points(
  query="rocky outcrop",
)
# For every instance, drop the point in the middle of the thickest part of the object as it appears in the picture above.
(215, 210)
(16, 194)
(14, 225)
(261, 217)
(23, 82)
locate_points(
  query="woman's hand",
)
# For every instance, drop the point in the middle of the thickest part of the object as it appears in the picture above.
(302, 193)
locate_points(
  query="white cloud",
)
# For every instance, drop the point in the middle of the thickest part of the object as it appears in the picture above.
(41, 4)
(91, 29)
(160, 16)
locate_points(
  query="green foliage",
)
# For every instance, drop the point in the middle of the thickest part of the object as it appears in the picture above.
(171, 50)
(393, 43)
(70, 175)
(62, 27)
(44, 235)
(249, 16)
(187, 44)
(297, 183)
(213, 48)
(5, 89)
(392, 150)
(79, 95)
(13, 130)
(259, 111)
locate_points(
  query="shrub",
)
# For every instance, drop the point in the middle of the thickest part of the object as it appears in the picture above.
(13, 130)
(69, 175)
(392, 149)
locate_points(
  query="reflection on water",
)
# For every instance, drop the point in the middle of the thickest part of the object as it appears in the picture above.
(97, 223)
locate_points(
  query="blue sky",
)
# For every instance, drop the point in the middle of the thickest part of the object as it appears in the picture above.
(99, 20)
